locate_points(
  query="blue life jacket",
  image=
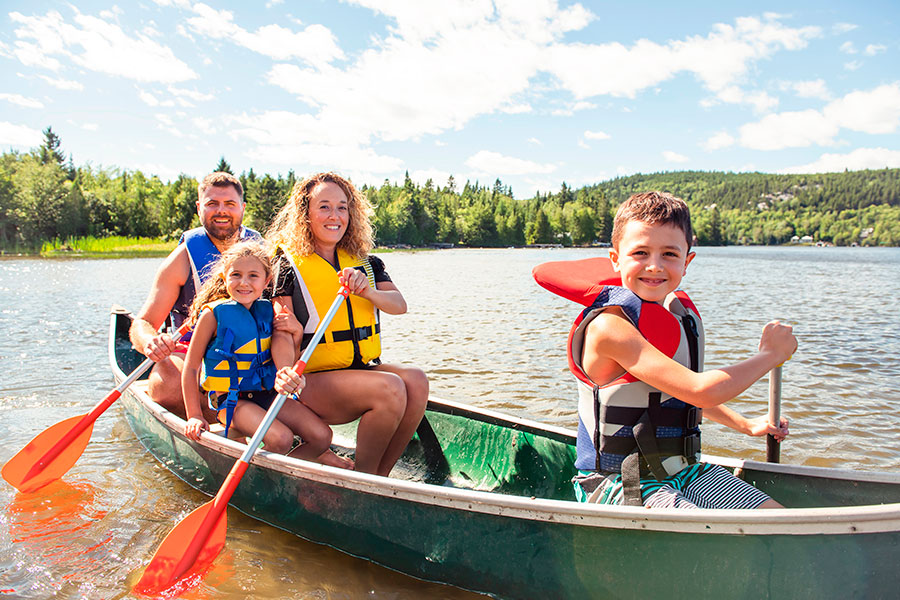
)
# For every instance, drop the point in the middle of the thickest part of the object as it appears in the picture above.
(202, 253)
(239, 358)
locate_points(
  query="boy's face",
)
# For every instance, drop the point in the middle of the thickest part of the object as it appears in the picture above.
(652, 259)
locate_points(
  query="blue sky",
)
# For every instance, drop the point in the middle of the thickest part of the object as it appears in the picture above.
(532, 92)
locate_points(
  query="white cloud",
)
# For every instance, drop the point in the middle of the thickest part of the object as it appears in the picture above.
(19, 135)
(815, 88)
(848, 48)
(63, 84)
(286, 138)
(853, 65)
(861, 158)
(535, 141)
(839, 28)
(85, 126)
(720, 60)
(717, 141)
(494, 163)
(97, 45)
(20, 100)
(583, 144)
(873, 49)
(875, 111)
(151, 100)
(674, 157)
(316, 44)
(438, 177)
(596, 135)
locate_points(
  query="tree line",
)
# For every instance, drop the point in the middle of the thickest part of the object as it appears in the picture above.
(44, 196)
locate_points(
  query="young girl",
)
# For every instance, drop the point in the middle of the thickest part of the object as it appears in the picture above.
(230, 357)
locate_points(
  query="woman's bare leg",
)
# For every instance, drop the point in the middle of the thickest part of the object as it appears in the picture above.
(416, 384)
(377, 399)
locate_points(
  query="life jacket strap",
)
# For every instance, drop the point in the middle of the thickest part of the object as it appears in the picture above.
(345, 335)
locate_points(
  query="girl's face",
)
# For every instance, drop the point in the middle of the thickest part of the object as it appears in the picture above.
(329, 214)
(245, 280)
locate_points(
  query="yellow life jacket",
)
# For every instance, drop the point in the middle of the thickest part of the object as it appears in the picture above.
(354, 335)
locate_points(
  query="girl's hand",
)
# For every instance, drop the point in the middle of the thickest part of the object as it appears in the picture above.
(778, 339)
(287, 381)
(760, 426)
(356, 281)
(287, 322)
(194, 426)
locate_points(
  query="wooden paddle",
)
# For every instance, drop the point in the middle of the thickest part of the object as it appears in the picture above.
(196, 541)
(52, 452)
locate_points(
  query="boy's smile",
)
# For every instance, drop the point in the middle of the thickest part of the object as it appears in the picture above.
(652, 259)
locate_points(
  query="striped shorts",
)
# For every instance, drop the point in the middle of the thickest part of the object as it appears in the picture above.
(697, 486)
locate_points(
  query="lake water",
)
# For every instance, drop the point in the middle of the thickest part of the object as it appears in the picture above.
(484, 332)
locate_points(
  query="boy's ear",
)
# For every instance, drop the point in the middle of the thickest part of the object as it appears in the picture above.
(614, 259)
(690, 257)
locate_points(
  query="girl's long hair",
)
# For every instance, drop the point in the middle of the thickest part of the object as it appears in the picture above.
(291, 225)
(214, 287)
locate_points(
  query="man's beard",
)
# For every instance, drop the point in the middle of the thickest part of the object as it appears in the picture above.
(222, 233)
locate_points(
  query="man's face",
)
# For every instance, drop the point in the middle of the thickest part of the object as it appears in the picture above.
(221, 211)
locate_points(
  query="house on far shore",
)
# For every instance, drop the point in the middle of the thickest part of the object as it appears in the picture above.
(795, 239)
(806, 239)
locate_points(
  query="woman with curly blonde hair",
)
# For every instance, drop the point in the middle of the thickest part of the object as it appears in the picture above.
(323, 237)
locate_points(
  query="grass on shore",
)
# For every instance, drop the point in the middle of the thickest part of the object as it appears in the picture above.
(107, 247)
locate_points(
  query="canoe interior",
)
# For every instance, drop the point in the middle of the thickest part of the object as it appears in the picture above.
(472, 450)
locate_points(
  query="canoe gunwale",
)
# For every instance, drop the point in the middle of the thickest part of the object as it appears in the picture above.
(849, 520)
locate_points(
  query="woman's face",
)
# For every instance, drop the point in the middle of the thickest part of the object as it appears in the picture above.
(329, 213)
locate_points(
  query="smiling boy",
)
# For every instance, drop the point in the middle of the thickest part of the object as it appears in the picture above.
(637, 353)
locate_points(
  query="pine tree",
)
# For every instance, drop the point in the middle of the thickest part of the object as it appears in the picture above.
(223, 166)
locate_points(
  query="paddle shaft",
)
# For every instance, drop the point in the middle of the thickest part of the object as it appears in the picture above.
(95, 412)
(773, 448)
(220, 502)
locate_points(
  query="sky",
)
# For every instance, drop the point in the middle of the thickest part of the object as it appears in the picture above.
(532, 92)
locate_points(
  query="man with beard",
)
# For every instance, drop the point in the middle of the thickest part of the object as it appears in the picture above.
(220, 206)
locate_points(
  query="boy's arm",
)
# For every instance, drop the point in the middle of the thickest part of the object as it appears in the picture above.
(190, 374)
(614, 345)
(756, 426)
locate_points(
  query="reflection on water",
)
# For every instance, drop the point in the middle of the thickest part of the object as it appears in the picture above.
(484, 333)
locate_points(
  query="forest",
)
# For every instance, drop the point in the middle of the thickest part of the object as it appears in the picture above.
(44, 196)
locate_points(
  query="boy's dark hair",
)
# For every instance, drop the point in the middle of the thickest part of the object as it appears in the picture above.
(653, 208)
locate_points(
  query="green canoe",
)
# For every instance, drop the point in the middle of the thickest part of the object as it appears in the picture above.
(482, 501)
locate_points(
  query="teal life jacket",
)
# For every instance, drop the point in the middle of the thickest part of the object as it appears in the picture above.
(239, 358)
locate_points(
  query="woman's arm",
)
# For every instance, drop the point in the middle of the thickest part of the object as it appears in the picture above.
(190, 374)
(613, 345)
(386, 297)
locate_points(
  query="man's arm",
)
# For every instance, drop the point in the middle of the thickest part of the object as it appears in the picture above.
(167, 284)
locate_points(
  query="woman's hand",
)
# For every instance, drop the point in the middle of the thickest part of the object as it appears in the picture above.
(356, 281)
(760, 426)
(288, 382)
(194, 426)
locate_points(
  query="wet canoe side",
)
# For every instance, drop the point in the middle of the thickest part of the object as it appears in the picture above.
(513, 546)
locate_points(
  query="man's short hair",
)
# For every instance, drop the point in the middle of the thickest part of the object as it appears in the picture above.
(220, 179)
(653, 208)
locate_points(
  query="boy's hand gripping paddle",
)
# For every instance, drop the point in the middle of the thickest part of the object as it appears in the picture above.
(52, 452)
(196, 541)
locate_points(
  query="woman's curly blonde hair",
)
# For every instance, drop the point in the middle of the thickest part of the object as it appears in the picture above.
(291, 228)
(214, 287)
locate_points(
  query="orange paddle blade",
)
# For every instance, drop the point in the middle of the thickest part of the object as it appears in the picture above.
(48, 456)
(161, 572)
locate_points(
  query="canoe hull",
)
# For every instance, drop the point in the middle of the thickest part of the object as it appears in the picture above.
(520, 547)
